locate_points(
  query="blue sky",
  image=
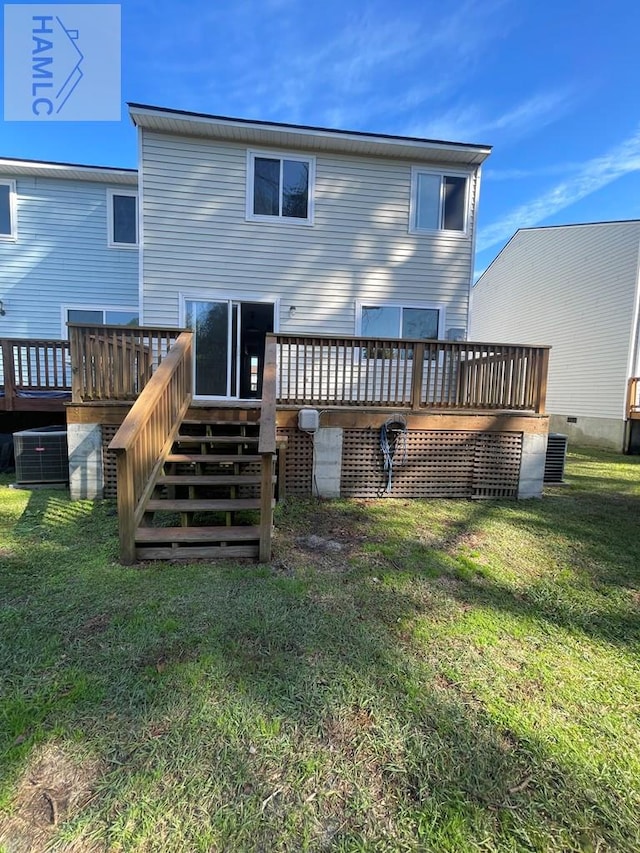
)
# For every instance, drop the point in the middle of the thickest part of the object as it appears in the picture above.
(553, 85)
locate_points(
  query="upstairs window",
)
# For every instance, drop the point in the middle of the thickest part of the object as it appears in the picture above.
(438, 202)
(122, 216)
(7, 210)
(280, 188)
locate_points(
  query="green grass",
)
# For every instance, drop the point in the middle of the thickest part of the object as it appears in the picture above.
(459, 677)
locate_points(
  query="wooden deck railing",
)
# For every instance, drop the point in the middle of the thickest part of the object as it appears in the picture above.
(33, 368)
(115, 362)
(494, 376)
(267, 445)
(146, 436)
(633, 396)
(358, 371)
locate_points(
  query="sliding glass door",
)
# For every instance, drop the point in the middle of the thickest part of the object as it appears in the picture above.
(228, 346)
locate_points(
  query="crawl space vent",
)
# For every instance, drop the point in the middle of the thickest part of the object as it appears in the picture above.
(555, 459)
(41, 456)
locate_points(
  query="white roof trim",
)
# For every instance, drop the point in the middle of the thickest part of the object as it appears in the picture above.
(67, 171)
(306, 138)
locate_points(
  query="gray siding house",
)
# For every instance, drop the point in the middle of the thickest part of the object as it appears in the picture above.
(576, 288)
(68, 247)
(253, 227)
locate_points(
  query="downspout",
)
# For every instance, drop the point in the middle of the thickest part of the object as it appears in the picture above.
(478, 174)
(140, 229)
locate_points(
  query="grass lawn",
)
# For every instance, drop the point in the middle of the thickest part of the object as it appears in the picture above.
(459, 676)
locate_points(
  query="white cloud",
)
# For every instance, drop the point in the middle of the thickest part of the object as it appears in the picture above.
(546, 171)
(593, 175)
(471, 123)
(361, 65)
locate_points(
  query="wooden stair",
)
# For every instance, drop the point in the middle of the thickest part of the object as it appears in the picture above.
(206, 500)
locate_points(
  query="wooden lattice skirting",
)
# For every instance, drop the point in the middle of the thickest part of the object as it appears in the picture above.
(438, 464)
(298, 462)
(109, 462)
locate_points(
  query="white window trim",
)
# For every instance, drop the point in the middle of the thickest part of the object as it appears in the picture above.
(413, 204)
(374, 303)
(110, 241)
(73, 306)
(13, 211)
(280, 155)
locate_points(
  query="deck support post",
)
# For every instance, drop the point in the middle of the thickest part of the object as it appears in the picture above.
(266, 506)
(126, 510)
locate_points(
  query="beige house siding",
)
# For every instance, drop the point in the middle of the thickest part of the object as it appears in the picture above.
(575, 288)
(198, 243)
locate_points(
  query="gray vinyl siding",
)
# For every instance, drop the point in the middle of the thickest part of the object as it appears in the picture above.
(573, 287)
(198, 243)
(61, 257)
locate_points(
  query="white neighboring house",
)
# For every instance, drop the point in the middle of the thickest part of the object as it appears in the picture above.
(68, 247)
(576, 288)
(250, 227)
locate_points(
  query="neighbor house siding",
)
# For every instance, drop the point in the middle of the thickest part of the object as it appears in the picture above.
(197, 241)
(61, 257)
(573, 287)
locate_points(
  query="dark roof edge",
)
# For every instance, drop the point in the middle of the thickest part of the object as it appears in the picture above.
(576, 225)
(69, 165)
(285, 126)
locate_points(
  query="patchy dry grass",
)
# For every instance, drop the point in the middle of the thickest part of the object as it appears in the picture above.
(455, 677)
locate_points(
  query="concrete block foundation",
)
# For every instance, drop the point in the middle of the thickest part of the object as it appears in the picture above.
(86, 472)
(327, 462)
(534, 453)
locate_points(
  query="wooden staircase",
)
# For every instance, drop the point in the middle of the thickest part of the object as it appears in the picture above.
(207, 498)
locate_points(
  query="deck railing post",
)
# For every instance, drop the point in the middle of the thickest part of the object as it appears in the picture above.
(76, 359)
(9, 371)
(543, 372)
(416, 375)
(267, 445)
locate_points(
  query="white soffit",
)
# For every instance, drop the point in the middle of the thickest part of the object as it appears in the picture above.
(312, 139)
(67, 171)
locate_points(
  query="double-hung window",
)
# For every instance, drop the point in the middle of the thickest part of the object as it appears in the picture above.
(122, 218)
(7, 210)
(280, 187)
(439, 201)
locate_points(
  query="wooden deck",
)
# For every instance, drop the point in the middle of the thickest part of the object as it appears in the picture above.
(35, 375)
(410, 375)
(462, 403)
(113, 364)
(633, 399)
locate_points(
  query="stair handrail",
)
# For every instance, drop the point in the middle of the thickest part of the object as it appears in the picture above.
(267, 444)
(146, 436)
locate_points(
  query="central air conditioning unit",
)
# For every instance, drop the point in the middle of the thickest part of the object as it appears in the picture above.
(41, 456)
(555, 458)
